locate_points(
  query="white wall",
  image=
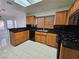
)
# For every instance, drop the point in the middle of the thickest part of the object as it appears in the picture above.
(20, 16)
(14, 12)
(21, 20)
(48, 12)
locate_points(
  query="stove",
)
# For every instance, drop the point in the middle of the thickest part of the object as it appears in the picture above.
(71, 41)
(68, 36)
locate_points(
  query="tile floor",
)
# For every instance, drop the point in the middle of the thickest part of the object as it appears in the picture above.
(29, 50)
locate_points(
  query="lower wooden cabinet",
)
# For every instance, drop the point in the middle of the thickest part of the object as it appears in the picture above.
(18, 37)
(40, 37)
(46, 38)
(68, 53)
(37, 38)
(51, 40)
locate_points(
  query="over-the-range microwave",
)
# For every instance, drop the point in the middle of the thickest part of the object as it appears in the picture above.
(74, 18)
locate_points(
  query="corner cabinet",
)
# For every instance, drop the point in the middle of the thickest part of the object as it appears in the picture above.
(18, 37)
(61, 18)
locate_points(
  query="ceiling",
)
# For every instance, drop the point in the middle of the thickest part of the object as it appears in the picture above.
(48, 5)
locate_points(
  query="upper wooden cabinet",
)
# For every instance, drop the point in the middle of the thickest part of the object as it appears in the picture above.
(30, 20)
(73, 9)
(40, 22)
(45, 21)
(61, 18)
(49, 22)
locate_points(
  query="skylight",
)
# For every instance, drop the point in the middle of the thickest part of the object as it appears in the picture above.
(26, 3)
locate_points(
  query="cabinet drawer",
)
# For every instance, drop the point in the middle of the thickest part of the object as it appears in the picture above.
(37, 32)
(50, 34)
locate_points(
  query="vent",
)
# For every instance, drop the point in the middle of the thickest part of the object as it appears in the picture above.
(10, 2)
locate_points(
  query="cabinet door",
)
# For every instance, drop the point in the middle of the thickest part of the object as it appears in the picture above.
(49, 21)
(61, 18)
(75, 6)
(40, 37)
(51, 40)
(43, 39)
(37, 38)
(30, 20)
(27, 35)
(40, 22)
(68, 53)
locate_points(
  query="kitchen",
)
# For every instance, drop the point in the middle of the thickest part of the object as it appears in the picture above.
(39, 26)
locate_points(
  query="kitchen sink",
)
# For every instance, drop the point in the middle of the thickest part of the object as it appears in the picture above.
(43, 30)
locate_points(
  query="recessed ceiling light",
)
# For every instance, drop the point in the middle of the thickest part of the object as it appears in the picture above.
(26, 3)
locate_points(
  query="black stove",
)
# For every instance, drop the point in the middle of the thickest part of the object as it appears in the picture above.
(71, 40)
(68, 36)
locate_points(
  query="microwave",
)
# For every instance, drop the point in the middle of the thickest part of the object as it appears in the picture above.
(74, 18)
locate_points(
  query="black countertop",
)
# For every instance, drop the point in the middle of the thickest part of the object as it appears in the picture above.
(33, 29)
(18, 29)
(58, 29)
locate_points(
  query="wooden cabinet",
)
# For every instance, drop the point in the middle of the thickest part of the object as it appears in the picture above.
(43, 37)
(46, 38)
(40, 22)
(30, 20)
(45, 22)
(73, 9)
(61, 18)
(19, 37)
(40, 37)
(68, 53)
(51, 39)
(49, 21)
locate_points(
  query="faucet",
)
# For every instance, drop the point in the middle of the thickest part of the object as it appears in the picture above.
(43, 29)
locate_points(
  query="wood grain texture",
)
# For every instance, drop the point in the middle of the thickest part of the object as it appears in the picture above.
(46, 38)
(45, 21)
(30, 20)
(19, 37)
(73, 9)
(68, 53)
(61, 18)
(51, 39)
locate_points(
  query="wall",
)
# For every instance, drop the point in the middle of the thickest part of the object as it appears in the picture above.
(20, 16)
(21, 20)
(14, 12)
(48, 12)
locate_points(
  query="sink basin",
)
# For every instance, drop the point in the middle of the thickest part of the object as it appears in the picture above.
(43, 30)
